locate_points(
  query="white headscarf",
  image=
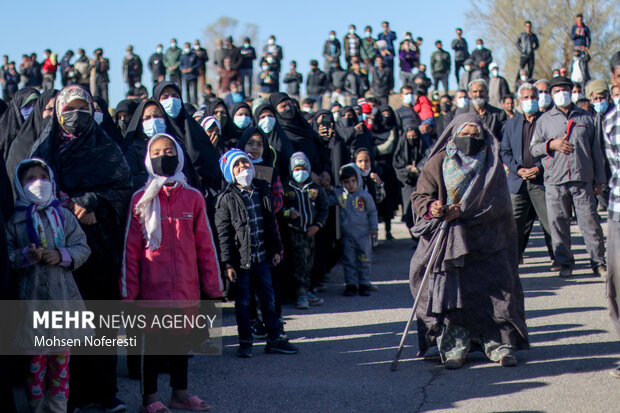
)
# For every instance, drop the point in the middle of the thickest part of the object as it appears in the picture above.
(148, 208)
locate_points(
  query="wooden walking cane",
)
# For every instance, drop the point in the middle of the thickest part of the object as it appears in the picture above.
(431, 264)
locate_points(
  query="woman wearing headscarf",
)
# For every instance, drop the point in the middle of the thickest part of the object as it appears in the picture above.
(409, 158)
(123, 113)
(12, 120)
(353, 131)
(300, 133)
(385, 139)
(241, 115)
(92, 172)
(474, 295)
(103, 118)
(190, 135)
(327, 249)
(213, 129)
(265, 119)
(148, 120)
(219, 110)
(31, 129)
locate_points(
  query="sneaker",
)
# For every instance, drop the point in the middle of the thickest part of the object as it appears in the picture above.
(314, 300)
(350, 291)
(302, 302)
(601, 271)
(566, 271)
(454, 364)
(258, 330)
(364, 290)
(615, 373)
(280, 345)
(319, 288)
(245, 350)
(113, 405)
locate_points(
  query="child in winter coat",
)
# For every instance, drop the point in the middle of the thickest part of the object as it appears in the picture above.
(306, 210)
(45, 242)
(169, 256)
(358, 224)
(249, 243)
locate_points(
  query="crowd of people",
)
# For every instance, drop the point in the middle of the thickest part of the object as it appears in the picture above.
(255, 197)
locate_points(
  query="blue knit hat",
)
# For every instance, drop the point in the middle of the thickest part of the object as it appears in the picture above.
(227, 161)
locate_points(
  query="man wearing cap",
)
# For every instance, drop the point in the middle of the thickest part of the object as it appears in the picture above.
(612, 149)
(598, 93)
(498, 86)
(573, 161)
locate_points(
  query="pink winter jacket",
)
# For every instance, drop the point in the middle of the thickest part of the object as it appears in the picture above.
(186, 260)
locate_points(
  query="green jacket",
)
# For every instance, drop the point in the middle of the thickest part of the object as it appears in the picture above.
(440, 62)
(172, 58)
(368, 50)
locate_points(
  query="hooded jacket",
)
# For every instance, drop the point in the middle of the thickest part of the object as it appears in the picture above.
(307, 198)
(12, 120)
(358, 212)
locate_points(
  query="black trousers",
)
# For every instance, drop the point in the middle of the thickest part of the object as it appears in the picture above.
(527, 61)
(443, 78)
(458, 65)
(151, 366)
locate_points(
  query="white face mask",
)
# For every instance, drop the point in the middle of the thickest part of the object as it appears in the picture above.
(562, 99)
(617, 100)
(462, 103)
(544, 99)
(98, 117)
(159, 50)
(267, 124)
(245, 177)
(39, 191)
(575, 97)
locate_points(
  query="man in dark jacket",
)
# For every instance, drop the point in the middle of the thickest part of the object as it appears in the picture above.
(102, 79)
(482, 58)
(493, 117)
(331, 51)
(293, 79)
(461, 52)
(580, 33)
(203, 56)
(189, 64)
(527, 43)
(382, 80)
(246, 69)
(156, 65)
(233, 53)
(65, 67)
(356, 82)
(525, 179)
(406, 115)
(440, 67)
(132, 68)
(316, 83)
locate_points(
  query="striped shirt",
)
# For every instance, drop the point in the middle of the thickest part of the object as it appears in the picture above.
(255, 218)
(612, 151)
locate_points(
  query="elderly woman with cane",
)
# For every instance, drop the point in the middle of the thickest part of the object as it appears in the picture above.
(472, 295)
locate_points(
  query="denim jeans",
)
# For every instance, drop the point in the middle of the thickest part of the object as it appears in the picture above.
(245, 75)
(259, 277)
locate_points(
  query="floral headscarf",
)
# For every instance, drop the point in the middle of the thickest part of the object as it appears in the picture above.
(66, 96)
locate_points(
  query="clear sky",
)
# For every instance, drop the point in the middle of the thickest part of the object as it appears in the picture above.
(301, 27)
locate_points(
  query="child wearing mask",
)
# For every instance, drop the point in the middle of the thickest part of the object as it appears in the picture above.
(371, 182)
(358, 224)
(45, 243)
(268, 79)
(249, 243)
(155, 268)
(306, 210)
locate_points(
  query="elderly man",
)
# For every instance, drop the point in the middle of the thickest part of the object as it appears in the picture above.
(598, 93)
(525, 173)
(493, 117)
(612, 150)
(544, 95)
(573, 161)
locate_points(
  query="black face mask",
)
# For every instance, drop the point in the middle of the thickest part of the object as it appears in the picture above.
(76, 121)
(445, 107)
(388, 122)
(122, 125)
(348, 122)
(165, 165)
(223, 119)
(468, 146)
(288, 113)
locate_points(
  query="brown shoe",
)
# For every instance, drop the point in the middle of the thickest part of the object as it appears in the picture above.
(454, 364)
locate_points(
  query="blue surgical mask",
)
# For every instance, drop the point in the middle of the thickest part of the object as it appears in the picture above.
(267, 124)
(242, 121)
(26, 111)
(601, 107)
(529, 106)
(301, 176)
(257, 160)
(98, 116)
(153, 126)
(172, 106)
(408, 99)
